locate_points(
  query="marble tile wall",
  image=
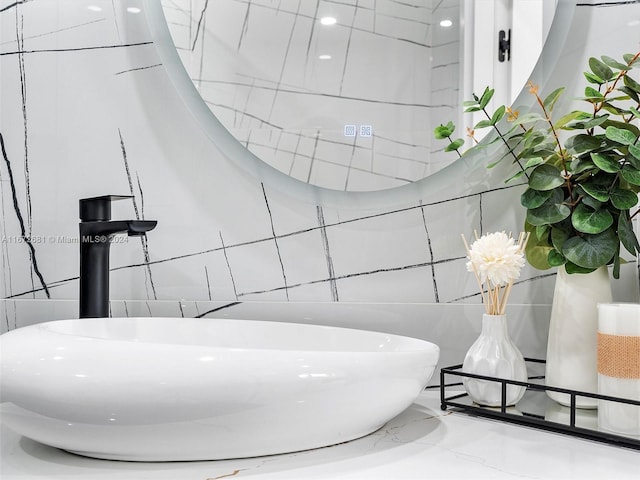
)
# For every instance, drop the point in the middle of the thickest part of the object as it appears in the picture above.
(88, 109)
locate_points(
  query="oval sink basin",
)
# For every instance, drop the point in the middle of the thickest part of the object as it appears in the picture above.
(165, 389)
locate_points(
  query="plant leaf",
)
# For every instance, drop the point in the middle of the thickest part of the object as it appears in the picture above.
(616, 263)
(559, 235)
(591, 93)
(565, 119)
(631, 175)
(623, 126)
(552, 98)
(631, 93)
(545, 177)
(527, 118)
(605, 163)
(486, 97)
(611, 108)
(581, 164)
(515, 176)
(591, 251)
(455, 145)
(444, 131)
(533, 162)
(632, 158)
(631, 84)
(635, 151)
(582, 143)
(613, 63)
(555, 258)
(497, 115)
(587, 220)
(482, 124)
(619, 135)
(572, 268)
(535, 198)
(626, 234)
(591, 202)
(631, 59)
(623, 199)
(537, 249)
(548, 213)
(542, 231)
(591, 123)
(600, 69)
(596, 190)
(591, 78)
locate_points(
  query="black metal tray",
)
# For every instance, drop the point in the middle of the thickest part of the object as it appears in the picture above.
(535, 409)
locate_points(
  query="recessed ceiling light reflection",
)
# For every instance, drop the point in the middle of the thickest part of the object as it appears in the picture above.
(446, 23)
(134, 10)
(324, 57)
(94, 8)
(328, 21)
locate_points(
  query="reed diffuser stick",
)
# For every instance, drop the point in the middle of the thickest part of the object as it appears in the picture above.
(496, 260)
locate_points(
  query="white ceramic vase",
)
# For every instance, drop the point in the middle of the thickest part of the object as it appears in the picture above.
(572, 344)
(493, 354)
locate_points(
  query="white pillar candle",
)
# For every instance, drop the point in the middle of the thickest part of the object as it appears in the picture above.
(619, 366)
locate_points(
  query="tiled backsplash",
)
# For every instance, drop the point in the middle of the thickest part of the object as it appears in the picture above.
(88, 109)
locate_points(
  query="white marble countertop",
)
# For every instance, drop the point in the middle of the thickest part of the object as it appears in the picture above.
(421, 443)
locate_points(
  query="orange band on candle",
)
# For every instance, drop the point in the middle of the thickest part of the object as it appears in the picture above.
(619, 355)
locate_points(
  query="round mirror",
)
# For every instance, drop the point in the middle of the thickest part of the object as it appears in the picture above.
(334, 95)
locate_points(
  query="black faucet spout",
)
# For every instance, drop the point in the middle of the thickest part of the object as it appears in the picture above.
(96, 234)
(136, 228)
(114, 227)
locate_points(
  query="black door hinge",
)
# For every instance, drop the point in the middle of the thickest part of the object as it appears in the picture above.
(504, 46)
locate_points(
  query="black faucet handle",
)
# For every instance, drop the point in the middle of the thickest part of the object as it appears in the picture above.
(98, 208)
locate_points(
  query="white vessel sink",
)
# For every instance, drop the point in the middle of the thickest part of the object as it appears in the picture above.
(161, 389)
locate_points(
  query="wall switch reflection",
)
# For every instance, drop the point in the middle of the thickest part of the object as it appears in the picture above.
(366, 131)
(350, 130)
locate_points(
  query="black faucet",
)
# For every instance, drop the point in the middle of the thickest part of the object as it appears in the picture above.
(96, 233)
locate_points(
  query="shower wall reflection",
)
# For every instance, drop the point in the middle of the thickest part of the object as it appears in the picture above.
(342, 95)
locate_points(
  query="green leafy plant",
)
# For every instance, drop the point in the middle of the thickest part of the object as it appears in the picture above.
(582, 170)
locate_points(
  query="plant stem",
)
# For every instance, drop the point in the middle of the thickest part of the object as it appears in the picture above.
(482, 295)
(504, 140)
(457, 151)
(621, 74)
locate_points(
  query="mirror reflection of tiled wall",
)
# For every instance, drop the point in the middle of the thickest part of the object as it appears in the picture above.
(339, 95)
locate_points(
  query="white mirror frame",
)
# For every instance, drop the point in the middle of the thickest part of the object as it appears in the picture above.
(234, 151)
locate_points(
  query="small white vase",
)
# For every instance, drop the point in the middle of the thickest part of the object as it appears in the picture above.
(493, 354)
(572, 344)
